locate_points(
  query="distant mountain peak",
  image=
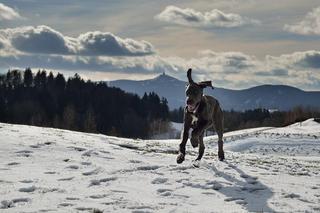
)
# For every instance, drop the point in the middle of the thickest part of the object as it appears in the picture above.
(164, 77)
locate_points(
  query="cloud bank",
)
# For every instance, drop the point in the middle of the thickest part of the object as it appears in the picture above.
(212, 19)
(45, 40)
(226, 69)
(91, 52)
(7, 13)
(309, 25)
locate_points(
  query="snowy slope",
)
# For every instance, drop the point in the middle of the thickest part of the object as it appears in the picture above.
(44, 169)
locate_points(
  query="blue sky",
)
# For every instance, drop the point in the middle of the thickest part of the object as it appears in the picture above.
(237, 44)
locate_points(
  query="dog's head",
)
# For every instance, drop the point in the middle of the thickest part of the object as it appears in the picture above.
(194, 92)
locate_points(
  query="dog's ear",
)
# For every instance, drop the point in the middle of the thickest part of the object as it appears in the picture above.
(204, 84)
(189, 76)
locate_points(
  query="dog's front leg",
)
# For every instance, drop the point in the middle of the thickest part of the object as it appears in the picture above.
(185, 135)
(197, 137)
(201, 148)
(198, 132)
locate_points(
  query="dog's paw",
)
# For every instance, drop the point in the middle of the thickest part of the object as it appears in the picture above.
(196, 163)
(180, 158)
(221, 156)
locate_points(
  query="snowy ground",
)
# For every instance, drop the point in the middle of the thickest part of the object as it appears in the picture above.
(52, 170)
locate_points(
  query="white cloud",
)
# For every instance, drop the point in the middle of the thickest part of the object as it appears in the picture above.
(310, 24)
(307, 59)
(7, 13)
(45, 40)
(211, 19)
(99, 43)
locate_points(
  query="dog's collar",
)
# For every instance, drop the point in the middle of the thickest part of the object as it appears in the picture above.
(195, 109)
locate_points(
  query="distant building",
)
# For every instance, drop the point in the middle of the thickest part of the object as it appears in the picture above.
(272, 110)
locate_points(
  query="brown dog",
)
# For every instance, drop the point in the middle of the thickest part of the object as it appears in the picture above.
(201, 112)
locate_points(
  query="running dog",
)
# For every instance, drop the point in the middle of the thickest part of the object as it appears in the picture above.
(201, 112)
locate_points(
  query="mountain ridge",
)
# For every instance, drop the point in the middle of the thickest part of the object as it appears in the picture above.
(281, 97)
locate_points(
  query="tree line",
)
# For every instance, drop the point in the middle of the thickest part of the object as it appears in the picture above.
(234, 120)
(48, 100)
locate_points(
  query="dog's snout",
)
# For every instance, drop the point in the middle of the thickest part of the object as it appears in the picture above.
(189, 101)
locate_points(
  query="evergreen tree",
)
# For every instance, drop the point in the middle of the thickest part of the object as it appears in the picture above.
(28, 78)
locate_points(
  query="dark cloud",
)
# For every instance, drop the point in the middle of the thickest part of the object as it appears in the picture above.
(231, 60)
(45, 40)
(90, 64)
(41, 39)
(273, 72)
(311, 60)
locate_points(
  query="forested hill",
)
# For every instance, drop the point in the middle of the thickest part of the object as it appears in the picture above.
(44, 99)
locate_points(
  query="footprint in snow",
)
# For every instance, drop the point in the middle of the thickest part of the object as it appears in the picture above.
(46, 190)
(65, 204)
(104, 152)
(102, 180)
(135, 161)
(245, 176)
(79, 149)
(241, 202)
(13, 163)
(90, 153)
(165, 192)
(5, 204)
(24, 153)
(229, 199)
(50, 173)
(99, 196)
(141, 209)
(27, 189)
(91, 172)
(86, 163)
(84, 208)
(147, 168)
(159, 180)
(291, 195)
(37, 146)
(72, 198)
(73, 167)
(5, 181)
(26, 181)
(65, 179)
(48, 143)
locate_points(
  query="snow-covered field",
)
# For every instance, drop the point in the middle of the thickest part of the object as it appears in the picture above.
(52, 170)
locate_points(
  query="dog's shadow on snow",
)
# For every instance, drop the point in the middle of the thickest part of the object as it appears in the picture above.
(247, 190)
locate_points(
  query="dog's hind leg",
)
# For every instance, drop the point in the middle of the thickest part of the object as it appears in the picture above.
(218, 125)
